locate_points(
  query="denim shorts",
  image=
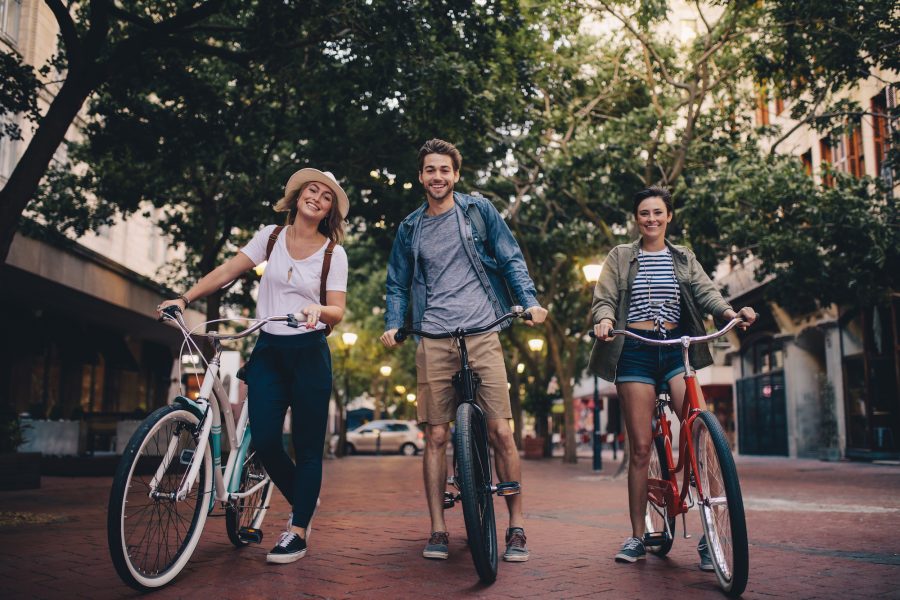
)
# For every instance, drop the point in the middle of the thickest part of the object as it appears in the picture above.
(644, 363)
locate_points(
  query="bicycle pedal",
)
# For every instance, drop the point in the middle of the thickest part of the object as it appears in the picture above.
(654, 540)
(449, 500)
(508, 488)
(251, 535)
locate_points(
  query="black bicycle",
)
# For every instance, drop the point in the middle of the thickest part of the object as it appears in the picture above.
(471, 455)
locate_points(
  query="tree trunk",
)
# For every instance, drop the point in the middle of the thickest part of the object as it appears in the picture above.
(25, 178)
(515, 404)
(556, 344)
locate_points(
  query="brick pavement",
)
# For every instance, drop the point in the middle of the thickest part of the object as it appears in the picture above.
(817, 530)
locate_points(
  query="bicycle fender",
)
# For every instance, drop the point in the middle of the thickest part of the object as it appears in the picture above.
(189, 405)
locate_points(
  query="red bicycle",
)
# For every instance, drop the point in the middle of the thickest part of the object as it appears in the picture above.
(709, 477)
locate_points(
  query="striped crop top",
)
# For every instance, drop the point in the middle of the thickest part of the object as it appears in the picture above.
(654, 294)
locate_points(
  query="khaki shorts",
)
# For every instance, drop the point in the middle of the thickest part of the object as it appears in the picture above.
(436, 363)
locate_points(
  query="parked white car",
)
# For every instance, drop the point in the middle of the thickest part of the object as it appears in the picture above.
(386, 436)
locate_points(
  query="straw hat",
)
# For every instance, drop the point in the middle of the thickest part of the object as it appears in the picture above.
(305, 176)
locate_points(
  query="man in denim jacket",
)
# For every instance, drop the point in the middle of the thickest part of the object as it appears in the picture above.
(462, 266)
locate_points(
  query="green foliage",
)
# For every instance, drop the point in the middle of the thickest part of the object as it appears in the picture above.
(18, 94)
(809, 49)
(823, 244)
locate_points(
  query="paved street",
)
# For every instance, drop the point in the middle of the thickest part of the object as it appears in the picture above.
(817, 530)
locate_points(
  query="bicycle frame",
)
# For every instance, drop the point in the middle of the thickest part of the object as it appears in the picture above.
(665, 492)
(212, 407)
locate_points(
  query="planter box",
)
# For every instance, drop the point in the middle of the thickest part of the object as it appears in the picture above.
(20, 470)
(534, 447)
(58, 438)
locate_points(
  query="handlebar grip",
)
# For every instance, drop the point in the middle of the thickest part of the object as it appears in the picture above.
(592, 334)
(400, 336)
(170, 312)
(526, 316)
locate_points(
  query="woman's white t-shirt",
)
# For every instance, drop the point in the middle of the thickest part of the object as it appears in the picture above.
(290, 285)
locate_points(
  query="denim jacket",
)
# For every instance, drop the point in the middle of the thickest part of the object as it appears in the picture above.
(497, 260)
(612, 297)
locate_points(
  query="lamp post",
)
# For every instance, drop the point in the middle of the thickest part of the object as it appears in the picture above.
(536, 345)
(592, 274)
(385, 371)
(348, 338)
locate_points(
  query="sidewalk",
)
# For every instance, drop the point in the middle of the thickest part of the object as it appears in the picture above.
(817, 530)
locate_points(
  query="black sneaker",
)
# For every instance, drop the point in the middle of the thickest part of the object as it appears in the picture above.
(290, 547)
(632, 551)
(706, 563)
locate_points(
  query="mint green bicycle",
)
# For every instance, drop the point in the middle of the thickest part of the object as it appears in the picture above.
(171, 475)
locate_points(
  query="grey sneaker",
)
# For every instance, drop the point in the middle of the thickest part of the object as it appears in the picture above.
(632, 551)
(706, 563)
(437, 546)
(516, 551)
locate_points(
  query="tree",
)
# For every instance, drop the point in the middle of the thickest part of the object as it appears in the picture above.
(100, 39)
(210, 140)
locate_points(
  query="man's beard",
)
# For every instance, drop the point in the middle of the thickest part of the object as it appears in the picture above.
(448, 189)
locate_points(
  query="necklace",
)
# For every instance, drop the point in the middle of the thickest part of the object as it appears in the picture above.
(291, 268)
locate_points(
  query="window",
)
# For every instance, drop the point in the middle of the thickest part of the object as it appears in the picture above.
(762, 105)
(779, 104)
(9, 18)
(825, 162)
(879, 107)
(846, 152)
(806, 159)
(398, 427)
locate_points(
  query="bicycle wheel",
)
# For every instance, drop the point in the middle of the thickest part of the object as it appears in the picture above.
(657, 499)
(473, 470)
(249, 511)
(151, 535)
(721, 505)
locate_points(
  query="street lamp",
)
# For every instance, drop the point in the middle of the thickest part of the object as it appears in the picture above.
(536, 345)
(385, 371)
(349, 338)
(592, 274)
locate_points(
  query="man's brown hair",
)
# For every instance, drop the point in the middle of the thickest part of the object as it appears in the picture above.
(438, 146)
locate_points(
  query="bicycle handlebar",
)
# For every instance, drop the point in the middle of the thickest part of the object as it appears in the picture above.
(680, 341)
(516, 312)
(173, 313)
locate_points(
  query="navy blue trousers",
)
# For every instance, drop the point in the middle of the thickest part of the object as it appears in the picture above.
(291, 371)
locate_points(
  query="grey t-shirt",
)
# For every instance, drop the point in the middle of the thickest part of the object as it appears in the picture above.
(454, 296)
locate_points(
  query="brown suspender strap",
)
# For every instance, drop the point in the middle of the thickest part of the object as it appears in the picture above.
(326, 265)
(272, 237)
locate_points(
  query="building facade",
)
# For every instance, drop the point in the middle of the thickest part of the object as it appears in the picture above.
(826, 383)
(82, 345)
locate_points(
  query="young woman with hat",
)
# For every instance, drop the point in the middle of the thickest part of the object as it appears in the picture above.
(292, 367)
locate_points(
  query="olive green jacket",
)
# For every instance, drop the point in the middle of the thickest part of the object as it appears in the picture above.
(612, 296)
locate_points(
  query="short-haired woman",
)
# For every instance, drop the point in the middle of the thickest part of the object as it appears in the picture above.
(292, 367)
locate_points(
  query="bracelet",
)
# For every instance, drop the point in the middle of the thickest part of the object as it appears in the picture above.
(183, 297)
